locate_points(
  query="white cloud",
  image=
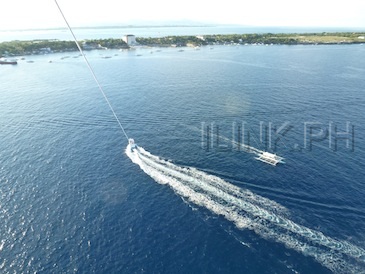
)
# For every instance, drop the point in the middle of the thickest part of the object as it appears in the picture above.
(44, 13)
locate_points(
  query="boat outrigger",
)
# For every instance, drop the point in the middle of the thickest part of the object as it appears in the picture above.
(269, 158)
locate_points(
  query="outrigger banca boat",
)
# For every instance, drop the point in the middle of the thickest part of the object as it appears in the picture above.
(269, 158)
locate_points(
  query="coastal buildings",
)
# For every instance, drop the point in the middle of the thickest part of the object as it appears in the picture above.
(201, 37)
(130, 39)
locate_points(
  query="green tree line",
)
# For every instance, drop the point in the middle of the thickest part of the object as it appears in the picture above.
(41, 46)
(16, 47)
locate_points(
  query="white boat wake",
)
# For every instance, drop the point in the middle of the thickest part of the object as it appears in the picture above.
(247, 210)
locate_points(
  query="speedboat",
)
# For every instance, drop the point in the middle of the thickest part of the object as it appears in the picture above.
(132, 144)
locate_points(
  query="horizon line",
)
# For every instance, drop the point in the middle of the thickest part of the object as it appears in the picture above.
(115, 26)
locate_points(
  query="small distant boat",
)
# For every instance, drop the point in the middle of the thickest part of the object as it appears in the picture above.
(269, 158)
(8, 62)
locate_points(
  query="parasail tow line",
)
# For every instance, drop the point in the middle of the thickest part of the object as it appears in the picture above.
(92, 71)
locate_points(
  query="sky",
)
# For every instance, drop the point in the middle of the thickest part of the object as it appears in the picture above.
(25, 14)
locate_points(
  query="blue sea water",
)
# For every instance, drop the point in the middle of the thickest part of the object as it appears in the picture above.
(72, 201)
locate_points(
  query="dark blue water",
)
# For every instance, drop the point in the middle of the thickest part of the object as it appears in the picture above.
(72, 201)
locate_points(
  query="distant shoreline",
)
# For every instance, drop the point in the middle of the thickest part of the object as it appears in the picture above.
(37, 47)
(285, 29)
(113, 27)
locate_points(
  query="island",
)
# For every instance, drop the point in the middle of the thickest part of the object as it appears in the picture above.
(18, 48)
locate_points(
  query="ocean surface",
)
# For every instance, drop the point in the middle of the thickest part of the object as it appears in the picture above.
(73, 199)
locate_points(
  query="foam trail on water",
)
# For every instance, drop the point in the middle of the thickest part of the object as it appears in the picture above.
(250, 211)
